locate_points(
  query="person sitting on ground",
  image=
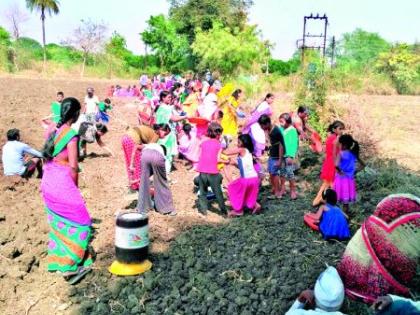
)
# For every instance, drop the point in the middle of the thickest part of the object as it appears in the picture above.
(13, 157)
(327, 297)
(187, 139)
(276, 153)
(331, 220)
(289, 162)
(101, 129)
(395, 305)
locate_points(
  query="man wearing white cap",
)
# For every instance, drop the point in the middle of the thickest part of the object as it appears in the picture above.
(328, 295)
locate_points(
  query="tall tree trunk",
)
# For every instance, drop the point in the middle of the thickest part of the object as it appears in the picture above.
(44, 67)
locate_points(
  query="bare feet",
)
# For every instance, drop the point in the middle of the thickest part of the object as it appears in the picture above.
(282, 191)
(256, 209)
(293, 195)
(233, 214)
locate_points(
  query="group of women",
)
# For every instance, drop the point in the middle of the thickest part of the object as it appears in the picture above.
(381, 258)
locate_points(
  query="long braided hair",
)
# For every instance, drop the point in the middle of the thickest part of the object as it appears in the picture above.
(70, 111)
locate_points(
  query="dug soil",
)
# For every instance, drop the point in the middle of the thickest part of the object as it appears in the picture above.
(201, 265)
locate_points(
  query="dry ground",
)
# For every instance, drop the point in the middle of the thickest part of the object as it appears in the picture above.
(25, 286)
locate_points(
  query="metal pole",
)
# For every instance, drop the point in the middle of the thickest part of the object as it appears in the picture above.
(333, 51)
(303, 41)
(325, 35)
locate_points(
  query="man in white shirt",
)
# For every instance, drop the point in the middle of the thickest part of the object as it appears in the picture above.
(13, 157)
(91, 105)
(328, 296)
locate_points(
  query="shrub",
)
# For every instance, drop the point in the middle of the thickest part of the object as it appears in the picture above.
(63, 54)
(402, 65)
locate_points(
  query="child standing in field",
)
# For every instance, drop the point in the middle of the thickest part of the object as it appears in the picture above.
(243, 192)
(331, 220)
(328, 166)
(288, 164)
(276, 153)
(344, 182)
(207, 167)
(56, 108)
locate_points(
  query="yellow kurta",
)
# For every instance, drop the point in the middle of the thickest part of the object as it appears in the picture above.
(191, 103)
(229, 121)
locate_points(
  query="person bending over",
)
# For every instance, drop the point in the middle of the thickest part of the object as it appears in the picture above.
(101, 130)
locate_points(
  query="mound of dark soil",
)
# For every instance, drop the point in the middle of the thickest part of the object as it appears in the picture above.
(253, 265)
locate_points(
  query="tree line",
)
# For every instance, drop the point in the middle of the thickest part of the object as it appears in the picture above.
(197, 35)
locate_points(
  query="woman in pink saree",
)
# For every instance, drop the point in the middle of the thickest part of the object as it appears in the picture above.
(68, 217)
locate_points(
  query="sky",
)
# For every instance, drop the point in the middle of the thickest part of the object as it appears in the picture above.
(280, 21)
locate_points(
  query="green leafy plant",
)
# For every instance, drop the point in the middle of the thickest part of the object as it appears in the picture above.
(402, 65)
(228, 52)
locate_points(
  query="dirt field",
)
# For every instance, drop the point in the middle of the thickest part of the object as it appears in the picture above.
(25, 286)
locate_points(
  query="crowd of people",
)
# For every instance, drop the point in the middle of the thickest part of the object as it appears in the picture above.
(204, 123)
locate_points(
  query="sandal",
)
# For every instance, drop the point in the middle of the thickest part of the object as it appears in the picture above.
(82, 271)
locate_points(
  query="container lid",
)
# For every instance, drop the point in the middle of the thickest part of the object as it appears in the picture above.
(132, 220)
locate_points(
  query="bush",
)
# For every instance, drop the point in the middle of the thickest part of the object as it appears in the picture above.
(63, 54)
(31, 48)
(283, 67)
(226, 51)
(402, 65)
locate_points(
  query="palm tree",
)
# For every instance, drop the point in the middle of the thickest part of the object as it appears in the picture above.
(49, 6)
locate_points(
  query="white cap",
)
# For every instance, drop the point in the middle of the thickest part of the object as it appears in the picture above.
(329, 290)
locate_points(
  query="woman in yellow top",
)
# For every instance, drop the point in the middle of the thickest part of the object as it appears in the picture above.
(230, 120)
(191, 103)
